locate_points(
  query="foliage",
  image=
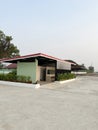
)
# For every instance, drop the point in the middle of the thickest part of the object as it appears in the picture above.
(7, 49)
(12, 76)
(2, 77)
(65, 76)
(24, 79)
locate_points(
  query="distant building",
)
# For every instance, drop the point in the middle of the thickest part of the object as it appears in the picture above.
(91, 69)
(11, 66)
(8, 68)
(76, 68)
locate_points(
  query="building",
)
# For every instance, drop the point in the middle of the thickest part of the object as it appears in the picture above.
(76, 68)
(5, 69)
(90, 69)
(40, 67)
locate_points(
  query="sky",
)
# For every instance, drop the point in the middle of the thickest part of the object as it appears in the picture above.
(67, 29)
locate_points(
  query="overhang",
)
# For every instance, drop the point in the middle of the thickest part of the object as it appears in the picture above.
(30, 58)
(42, 59)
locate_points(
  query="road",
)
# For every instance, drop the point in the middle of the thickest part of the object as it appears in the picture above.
(70, 106)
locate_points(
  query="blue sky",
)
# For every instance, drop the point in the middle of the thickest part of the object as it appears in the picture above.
(66, 29)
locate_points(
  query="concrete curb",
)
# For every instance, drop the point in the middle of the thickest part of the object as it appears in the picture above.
(36, 86)
(20, 84)
(66, 81)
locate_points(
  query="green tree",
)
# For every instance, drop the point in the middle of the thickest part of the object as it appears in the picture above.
(7, 49)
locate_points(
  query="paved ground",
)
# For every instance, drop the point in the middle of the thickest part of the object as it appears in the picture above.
(71, 106)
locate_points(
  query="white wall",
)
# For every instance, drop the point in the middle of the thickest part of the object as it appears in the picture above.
(63, 65)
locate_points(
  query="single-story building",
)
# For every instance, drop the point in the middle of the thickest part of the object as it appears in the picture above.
(40, 67)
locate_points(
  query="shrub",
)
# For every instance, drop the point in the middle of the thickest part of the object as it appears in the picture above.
(29, 79)
(65, 76)
(24, 79)
(2, 77)
(12, 76)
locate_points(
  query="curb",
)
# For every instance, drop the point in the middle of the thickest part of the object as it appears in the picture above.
(15, 84)
(66, 81)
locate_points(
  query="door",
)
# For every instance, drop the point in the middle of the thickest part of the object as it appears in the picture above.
(42, 74)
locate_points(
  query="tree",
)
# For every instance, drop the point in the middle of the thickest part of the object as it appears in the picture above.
(7, 49)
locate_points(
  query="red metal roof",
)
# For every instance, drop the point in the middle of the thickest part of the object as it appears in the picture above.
(12, 66)
(32, 56)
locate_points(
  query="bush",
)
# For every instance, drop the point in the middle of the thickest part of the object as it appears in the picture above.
(65, 76)
(12, 76)
(24, 79)
(2, 77)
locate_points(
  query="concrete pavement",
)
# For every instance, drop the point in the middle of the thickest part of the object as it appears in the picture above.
(69, 106)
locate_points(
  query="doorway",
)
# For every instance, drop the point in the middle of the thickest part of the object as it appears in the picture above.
(42, 74)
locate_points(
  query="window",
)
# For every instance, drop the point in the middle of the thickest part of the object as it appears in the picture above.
(51, 72)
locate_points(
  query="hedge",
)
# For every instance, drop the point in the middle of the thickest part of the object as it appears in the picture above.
(12, 76)
(65, 76)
